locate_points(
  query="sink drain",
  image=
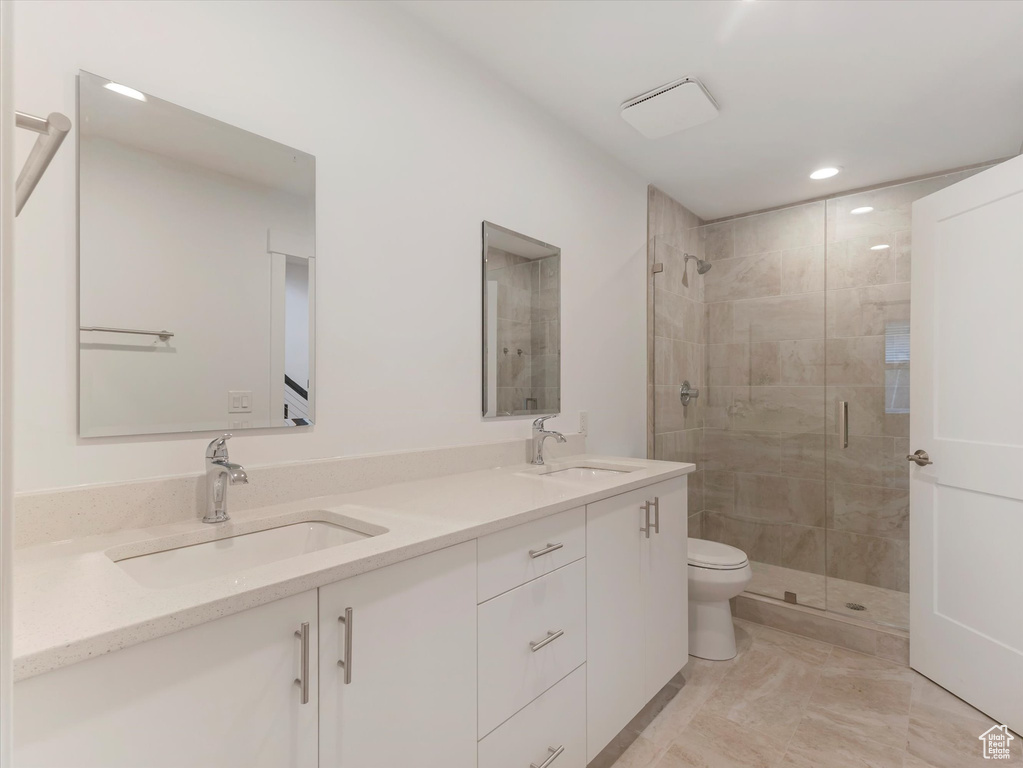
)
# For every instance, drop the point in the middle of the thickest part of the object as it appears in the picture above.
(855, 607)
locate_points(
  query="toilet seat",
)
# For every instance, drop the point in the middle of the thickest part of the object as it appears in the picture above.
(715, 556)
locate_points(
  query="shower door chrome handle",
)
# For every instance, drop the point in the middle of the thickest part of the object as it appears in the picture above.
(843, 424)
(920, 457)
(687, 393)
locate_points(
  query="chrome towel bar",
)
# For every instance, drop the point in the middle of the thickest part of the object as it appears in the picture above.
(164, 335)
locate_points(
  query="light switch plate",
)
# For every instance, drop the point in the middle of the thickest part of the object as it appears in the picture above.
(239, 401)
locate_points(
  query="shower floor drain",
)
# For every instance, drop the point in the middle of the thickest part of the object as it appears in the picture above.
(855, 607)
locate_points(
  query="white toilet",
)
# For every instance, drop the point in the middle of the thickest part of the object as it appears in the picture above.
(717, 573)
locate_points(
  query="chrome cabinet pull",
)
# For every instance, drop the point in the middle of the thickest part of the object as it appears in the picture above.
(920, 457)
(843, 423)
(535, 553)
(346, 661)
(554, 753)
(645, 528)
(551, 637)
(657, 514)
(303, 681)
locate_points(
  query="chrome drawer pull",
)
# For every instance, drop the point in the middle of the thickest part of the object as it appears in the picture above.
(551, 637)
(346, 662)
(555, 753)
(535, 553)
(657, 514)
(303, 681)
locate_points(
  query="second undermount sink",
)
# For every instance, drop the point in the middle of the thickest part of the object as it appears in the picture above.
(581, 470)
(187, 564)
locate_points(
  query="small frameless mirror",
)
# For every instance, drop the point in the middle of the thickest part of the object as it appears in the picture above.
(521, 324)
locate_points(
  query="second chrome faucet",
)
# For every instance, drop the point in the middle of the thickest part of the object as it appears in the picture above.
(220, 473)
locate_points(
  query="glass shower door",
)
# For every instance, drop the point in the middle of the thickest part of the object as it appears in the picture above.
(765, 416)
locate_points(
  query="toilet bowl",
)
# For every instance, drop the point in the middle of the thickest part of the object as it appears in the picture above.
(717, 573)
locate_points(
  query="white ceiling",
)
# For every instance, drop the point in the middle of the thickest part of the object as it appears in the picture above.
(887, 89)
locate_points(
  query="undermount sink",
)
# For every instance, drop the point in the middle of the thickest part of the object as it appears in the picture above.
(584, 473)
(581, 470)
(221, 557)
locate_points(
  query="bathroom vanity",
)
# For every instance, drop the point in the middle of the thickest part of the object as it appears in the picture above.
(505, 617)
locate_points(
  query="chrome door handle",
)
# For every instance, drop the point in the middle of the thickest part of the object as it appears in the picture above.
(554, 753)
(535, 553)
(346, 661)
(687, 393)
(843, 424)
(920, 457)
(657, 514)
(303, 681)
(551, 637)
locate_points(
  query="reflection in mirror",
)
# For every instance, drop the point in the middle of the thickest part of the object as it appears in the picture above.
(196, 270)
(521, 324)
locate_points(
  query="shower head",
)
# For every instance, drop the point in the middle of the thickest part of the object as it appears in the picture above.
(702, 267)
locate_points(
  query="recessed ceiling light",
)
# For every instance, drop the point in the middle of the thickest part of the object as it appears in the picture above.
(861, 209)
(824, 173)
(126, 91)
(881, 247)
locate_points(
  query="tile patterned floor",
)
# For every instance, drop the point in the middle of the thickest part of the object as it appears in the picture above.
(790, 701)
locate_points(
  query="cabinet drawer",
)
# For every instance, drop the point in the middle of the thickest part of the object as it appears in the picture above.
(511, 672)
(513, 557)
(555, 720)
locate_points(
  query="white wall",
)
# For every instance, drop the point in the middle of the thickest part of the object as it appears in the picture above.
(415, 146)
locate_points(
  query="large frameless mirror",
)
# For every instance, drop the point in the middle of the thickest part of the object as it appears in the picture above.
(521, 324)
(196, 270)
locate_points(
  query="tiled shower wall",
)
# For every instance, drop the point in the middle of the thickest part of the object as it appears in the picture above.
(678, 344)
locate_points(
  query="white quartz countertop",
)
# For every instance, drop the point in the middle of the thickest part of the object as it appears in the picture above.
(73, 602)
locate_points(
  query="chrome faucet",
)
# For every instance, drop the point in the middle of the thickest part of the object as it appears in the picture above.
(220, 473)
(539, 435)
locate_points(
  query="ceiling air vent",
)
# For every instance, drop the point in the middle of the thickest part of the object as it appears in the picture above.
(670, 108)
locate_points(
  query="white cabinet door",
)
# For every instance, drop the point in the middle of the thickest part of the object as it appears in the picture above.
(666, 585)
(411, 696)
(615, 671)
(220, 694)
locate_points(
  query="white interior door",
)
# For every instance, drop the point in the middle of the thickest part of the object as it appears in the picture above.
(966, 509)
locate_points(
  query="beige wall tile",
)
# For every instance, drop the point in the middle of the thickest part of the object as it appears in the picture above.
(802, 270)
(853, 263)
(772, 409)
(792, 454)
(729, 364)
(798, 547)
(717, 241)
(744, 278)
(867, 311)
(869, 509)
(791, 363)
(719, 491)
(780, 499)
(789, 228)
(858, 361)
(687, 363)
(720, 323)
(880, 562)
(800, 316)
(893, 647)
